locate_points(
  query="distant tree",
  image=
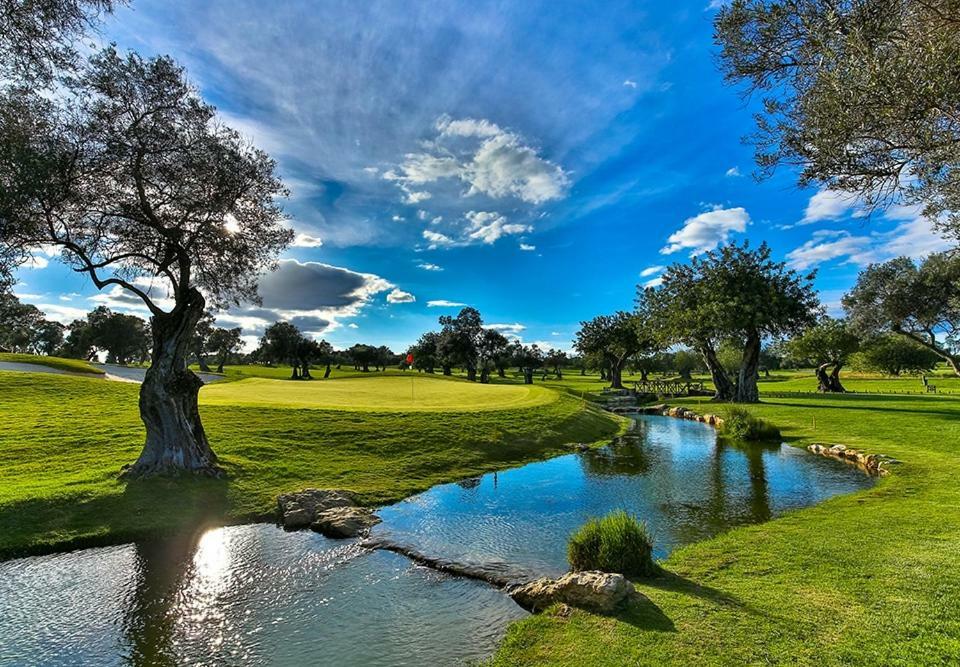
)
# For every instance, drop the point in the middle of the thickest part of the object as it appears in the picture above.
(200, 340)
(18, 323)
(556, 360)
(280, 344)
(460, 340)
(362, 356)
(134, 177)
(424, 351)
(861, 96)
(893, 355)
(615, 338)
(48, 337)
(921, 303)
(224, 343)
(125, 338)
(528, 358)
(771, 358)
(685, 362)
(829, 344)
(493, 351)
(734, 294)
(79, 341)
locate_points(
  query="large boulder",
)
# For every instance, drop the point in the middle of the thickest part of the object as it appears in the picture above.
(300, 509)
(596, 591)
(340, 522)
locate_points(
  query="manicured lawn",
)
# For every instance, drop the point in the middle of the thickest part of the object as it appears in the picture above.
(63, 440)
(379, 393)
(872, 578)
(71, 365)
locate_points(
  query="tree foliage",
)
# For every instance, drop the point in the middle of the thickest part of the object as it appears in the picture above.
(918, 301)
(861, 95)
(893, 355)
(615, 338)
(828, 344)
(736, 295)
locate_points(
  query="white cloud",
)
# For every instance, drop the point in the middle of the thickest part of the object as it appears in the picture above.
(35, 262)
(429, 266)
(415, 197)
(827, 205)
(514, 328)
(650, 270)
(527, 247)
(398, 218)
(654, 282)
(733, 172)
(437, 239)
(630, 83)
(397, 295)
(913, 237)
(443, 303)
(500, 164)
(353, 325)
(487, 227)
(707, 230)
(307, 241)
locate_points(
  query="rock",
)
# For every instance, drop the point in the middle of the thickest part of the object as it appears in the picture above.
(595, 591)
(296, 517)
(300, 509)
(340, 522)
(581, 447)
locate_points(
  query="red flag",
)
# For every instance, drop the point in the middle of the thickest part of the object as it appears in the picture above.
(409, 360)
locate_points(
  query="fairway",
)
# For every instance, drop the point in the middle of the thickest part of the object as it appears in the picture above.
(380, 394)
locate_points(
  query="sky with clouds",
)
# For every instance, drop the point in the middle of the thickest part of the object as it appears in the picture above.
(535, 160)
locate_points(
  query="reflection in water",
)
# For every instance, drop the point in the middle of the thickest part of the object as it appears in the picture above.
(676, 477)
(251, 595)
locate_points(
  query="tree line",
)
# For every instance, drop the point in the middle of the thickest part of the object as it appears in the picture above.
(739, 312)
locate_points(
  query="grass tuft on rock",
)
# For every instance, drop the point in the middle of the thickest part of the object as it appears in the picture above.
(741, 424)
(618, 542)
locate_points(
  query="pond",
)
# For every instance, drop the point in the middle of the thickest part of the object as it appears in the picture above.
(252, 595)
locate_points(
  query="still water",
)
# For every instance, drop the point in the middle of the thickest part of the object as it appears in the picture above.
(255, 595)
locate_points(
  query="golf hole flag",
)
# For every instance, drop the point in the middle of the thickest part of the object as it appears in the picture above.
(409, 360)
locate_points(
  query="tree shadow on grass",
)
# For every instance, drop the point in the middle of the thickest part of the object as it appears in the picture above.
(137, 510)
(644, 614)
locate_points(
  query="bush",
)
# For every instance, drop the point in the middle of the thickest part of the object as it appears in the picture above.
(616, 543)
(741, 424)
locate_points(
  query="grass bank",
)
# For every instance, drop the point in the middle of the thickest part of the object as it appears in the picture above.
(59, 363)
(871, 578)
(63, 440)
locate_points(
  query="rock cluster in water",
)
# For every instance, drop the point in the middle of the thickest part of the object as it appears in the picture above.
(332, 512)
(875, 464)
(596, 591)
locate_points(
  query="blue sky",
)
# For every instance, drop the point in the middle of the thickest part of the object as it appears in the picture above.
(535, 160)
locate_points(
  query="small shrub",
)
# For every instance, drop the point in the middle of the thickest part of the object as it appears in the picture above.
(616, 543)
(741, 424)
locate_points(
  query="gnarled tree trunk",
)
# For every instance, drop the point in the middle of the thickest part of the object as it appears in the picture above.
(747, 391)
(176, 442)
(723, 387)
(616, 373)
(829, 383)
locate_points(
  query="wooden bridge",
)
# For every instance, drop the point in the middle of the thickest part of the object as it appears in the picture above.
(668, 387)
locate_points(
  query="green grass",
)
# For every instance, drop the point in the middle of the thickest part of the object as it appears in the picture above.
(871, 578)
(617, 542)
(379, 393)
(60, 363)
(63, 440)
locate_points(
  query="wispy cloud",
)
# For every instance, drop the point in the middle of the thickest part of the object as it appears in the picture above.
(443, 303)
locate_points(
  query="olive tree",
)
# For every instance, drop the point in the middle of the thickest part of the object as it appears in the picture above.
(829, 344)
(734, 295)
(920, 302)
(615, 338)
(893, 355)
(860, 95)
(135, 179)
